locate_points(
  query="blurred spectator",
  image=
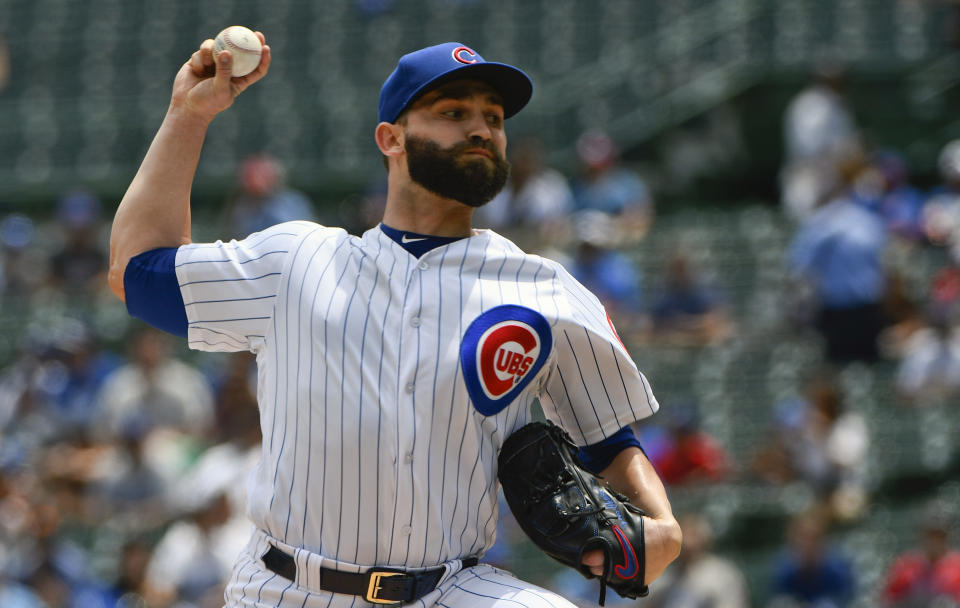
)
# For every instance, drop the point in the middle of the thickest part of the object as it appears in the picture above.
(197, 552)
(155, 389)
(606, 272)
(817, 441)
(818, 127)
(60, 373)
(23, 268)
(236, 412)
(60, 587)
(129, 589)
(899, 203)
(902, 314)
(50, 514)
(929, 371)
(26, 411)
(51, 586)
(76, 375)
(23, 531)
(606, 185)
(237, 434)
(838, 251)
(706, 148)
(942, 300)
(15, 595)
(699, 578)
(928, 575)
(945, 287)
(941, 214)
(535, 197)
(80, 263)
(681, 451)
(131, 487)
(264, 199)
(687, 311)
(818, 121)
(809, 572)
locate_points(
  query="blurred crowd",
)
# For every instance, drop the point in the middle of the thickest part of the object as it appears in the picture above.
(123, 457)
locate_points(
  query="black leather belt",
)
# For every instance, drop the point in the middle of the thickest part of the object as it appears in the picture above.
(377, 585)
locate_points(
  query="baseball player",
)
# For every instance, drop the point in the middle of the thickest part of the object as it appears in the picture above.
(392, 365)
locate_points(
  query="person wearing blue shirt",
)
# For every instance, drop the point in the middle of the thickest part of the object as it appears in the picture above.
(839, 251)
(610, 274)
(809, 570)
(687, 310)
(607, 185)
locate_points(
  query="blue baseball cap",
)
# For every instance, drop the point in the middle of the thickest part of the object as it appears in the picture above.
(420, 71)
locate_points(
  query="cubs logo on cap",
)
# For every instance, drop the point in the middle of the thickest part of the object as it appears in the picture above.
(502, 351)
(421, 71)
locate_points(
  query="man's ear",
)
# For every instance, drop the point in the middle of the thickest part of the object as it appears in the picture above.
(390, 139)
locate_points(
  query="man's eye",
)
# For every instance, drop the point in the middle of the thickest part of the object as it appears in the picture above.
(453, 113)
(494, 119)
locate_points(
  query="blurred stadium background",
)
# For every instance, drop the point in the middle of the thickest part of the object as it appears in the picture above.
(693, 93)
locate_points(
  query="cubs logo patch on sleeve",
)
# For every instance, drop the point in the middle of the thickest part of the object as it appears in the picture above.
(502, 351)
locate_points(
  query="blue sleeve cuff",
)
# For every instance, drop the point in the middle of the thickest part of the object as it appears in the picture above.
(598, 456)
(153, 292)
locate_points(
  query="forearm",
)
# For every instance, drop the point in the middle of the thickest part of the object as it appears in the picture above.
(155, 210)
(632, 474)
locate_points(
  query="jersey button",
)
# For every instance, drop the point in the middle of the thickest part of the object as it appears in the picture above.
(423, 265)
(406, 530)
(415, 322)
(408, 457)
(409, 387)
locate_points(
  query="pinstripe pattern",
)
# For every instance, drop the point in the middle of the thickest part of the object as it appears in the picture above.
(373, 452)
(481, 586)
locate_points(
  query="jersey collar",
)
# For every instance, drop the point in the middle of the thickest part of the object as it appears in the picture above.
(415, 243)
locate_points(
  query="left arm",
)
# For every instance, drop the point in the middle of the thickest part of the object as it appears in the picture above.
(611, 390)
(631, 474)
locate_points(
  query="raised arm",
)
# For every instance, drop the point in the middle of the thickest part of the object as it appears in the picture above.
(155, 210)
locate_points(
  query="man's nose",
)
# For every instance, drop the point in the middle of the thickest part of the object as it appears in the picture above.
(478, 127)
(480, 140)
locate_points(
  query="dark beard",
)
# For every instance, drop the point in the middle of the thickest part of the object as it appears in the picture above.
(473, 182)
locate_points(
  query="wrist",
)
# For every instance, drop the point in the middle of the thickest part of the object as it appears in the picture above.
(186, 117)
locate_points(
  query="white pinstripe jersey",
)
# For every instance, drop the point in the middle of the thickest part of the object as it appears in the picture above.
(387, 383)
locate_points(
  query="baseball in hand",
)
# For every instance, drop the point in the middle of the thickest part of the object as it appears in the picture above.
(243, 45)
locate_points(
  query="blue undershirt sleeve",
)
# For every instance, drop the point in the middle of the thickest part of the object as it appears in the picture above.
(598, 456)
(153, 292)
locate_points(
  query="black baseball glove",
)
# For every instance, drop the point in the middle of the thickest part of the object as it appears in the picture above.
(567, 510)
